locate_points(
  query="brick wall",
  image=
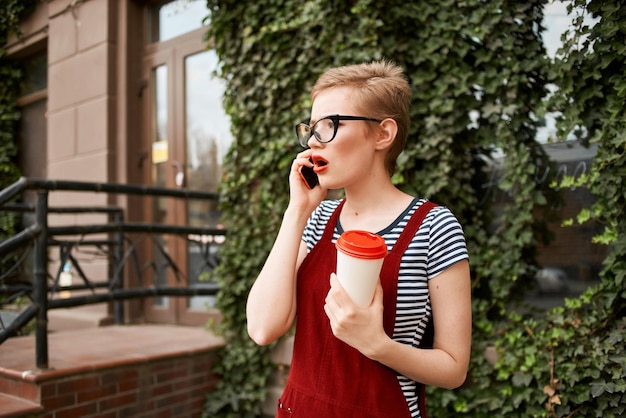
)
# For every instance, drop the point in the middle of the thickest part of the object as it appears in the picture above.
(174, 387)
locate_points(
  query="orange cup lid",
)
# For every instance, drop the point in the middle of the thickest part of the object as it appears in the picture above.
(362, 244)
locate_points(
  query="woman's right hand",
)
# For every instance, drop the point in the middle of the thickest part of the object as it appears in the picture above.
(301, 196)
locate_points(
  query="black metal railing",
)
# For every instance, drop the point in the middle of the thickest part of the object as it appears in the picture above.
(118, 247)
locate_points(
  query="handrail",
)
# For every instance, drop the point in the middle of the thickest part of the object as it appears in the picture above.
(20, 322)
(42, 236)
(134, 227)
(81, 186)
(13, 190)
(21, 238)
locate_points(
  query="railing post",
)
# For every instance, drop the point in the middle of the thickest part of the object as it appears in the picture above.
(40, 285)
(118, 278)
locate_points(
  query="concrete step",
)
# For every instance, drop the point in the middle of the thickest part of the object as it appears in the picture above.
(14, 407)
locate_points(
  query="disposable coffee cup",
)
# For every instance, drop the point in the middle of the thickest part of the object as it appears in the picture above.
(360, 256)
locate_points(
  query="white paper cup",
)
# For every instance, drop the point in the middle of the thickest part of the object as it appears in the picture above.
(360, 256)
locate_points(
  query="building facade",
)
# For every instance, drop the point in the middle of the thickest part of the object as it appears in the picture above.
(124, 91)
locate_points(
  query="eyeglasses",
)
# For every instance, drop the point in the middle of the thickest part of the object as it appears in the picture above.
(325, 129)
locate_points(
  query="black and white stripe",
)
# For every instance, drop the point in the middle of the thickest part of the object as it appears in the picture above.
(438, 244)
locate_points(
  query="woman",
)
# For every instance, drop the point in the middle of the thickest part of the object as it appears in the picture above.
(348, 360)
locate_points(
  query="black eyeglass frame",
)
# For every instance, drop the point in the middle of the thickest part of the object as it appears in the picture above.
(304, 131)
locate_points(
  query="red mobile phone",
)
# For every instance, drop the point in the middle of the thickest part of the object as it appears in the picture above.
(309, 176)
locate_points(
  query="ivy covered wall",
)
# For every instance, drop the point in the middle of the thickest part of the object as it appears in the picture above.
(479, 76)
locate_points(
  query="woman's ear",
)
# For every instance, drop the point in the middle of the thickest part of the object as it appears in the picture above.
(387, 131)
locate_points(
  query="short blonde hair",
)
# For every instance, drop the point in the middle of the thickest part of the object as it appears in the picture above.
(381, 91)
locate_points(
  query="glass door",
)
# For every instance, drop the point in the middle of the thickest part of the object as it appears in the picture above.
(189, 134)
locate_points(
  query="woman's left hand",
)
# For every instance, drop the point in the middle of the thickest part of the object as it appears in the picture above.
(361, 328)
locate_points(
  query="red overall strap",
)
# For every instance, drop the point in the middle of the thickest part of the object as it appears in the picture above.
(392, 261)
(392, 266)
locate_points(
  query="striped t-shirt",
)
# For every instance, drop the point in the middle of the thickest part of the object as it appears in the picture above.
(437, 245)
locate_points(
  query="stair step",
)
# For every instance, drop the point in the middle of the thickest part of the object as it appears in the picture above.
(14, 407)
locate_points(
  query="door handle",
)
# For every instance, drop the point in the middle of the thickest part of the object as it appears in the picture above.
(179, 177)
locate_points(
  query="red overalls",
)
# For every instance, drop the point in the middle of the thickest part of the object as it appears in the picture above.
(328, 378)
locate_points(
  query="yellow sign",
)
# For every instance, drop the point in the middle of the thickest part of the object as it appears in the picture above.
(159, 152)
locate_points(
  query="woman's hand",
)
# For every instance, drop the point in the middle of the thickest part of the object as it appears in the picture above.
(300, 195)
(361, 328)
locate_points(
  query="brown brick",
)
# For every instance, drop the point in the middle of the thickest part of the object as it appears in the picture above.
(95, 393)
(78, 383)
(60, 401)
(79, 411)
(117, 402)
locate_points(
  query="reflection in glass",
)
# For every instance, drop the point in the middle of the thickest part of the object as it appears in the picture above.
(159, 205)
(208, 138)
(35, 74)
(167, 20)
